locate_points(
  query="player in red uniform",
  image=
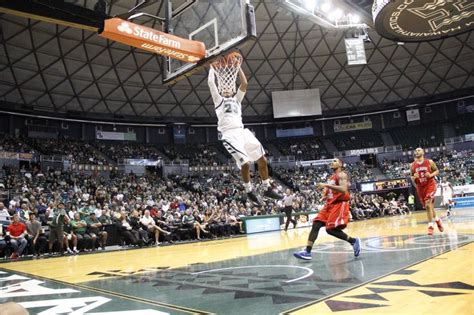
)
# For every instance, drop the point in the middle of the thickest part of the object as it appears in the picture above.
(423, 172)
(335, 213)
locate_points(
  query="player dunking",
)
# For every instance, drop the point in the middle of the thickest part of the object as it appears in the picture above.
(238, 141)
(335, 213)
(423, 172)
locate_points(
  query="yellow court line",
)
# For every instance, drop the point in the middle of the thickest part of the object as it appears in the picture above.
(426, 273)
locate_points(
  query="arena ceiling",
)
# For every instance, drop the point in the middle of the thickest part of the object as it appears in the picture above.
(54, 68)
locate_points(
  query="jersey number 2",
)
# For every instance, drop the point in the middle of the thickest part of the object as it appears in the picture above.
(230, 108)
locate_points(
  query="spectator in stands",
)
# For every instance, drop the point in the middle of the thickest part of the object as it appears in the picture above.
(79, 228)
(70, 237)
(149, 224)
(17, 232)
(188, 222)
(125, 230)
(3, 243)
(58, 217)
(4, 215)
(138, 227)
(36, 239)
(105, 217)
(96, 231)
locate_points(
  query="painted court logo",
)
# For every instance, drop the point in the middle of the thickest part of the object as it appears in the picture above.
(419, 20)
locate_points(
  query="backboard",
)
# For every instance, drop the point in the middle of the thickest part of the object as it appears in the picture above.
(222, 25)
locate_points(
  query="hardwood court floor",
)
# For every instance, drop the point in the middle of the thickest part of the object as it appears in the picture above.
(401, 271)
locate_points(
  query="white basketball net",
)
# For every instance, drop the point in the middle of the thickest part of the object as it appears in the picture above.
(226, 70)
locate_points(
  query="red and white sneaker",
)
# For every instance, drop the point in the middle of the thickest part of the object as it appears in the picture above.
(440, 225)
(430, 230)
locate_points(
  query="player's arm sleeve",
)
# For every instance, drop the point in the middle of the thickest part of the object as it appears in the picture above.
(243, 81)
(211, 81)
(240, 95)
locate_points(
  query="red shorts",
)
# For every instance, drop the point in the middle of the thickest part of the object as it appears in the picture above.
(334, 215)
(427, 192)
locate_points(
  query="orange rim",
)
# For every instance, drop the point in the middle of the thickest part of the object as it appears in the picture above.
(226, 60)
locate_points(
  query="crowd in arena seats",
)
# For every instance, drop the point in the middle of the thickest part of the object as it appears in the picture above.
(197, 154)
(395, 168)
(359, 172)
(122, 150)
(303, 149)
(302, 180)
(411, 137)
(457, 167)
(366, 206)
(357, 140)
(79, 152)
(126, 202)
(13, 144)
(150, 210)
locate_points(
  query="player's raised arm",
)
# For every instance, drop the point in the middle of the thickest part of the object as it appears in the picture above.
(243, 81)
(211, 81)
(243, 86)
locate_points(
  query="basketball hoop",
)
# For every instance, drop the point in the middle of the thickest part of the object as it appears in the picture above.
(226, 69)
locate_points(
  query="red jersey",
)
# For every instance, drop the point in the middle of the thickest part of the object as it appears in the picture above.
(16, 229)
(422, 169)
(333, 196)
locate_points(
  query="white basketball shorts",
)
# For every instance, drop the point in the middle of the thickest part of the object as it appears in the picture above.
(242, 145)
(446, 199)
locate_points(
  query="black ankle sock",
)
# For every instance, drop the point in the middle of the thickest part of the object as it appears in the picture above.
(351, 240)
(308, 249)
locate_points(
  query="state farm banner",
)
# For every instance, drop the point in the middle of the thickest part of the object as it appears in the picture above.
(353, 126)
(149, 39)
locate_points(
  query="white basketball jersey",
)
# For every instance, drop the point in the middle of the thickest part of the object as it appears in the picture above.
(229, 112)
(445, 188)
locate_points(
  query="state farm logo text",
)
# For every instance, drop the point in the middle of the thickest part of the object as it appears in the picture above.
(149, 35)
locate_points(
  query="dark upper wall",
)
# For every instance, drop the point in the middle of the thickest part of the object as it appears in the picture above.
(447, 112)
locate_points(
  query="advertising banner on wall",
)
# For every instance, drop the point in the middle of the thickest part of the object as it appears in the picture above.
(357, 152)
(355, 51)
(413, 115)
(118, 136)
(353, 126)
